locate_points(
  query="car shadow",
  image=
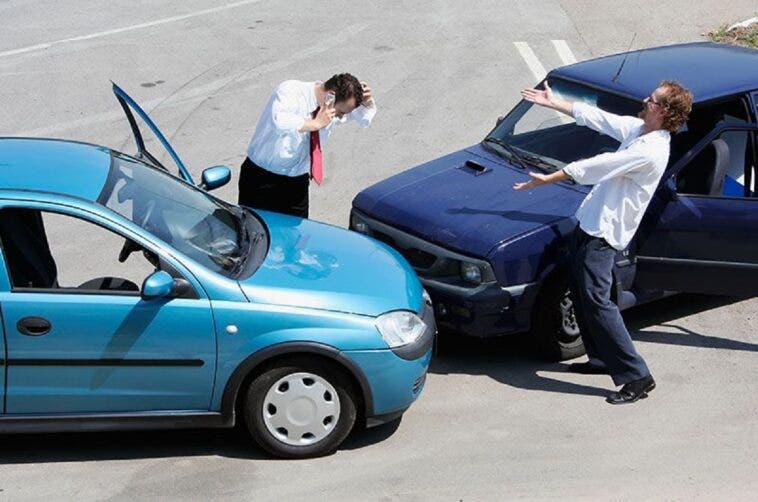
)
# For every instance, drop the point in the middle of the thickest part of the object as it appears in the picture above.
(511, 361)
(94, 446)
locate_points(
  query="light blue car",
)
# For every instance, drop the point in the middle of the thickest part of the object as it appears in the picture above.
(132, 299)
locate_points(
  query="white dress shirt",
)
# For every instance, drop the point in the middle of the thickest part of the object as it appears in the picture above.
(624, 180)
(277, 145)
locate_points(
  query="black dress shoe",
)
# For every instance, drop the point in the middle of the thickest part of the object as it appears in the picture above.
(633, 391)
(587, 369)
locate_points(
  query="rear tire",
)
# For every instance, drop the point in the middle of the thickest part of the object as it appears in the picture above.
(300, 408)
(555, 330)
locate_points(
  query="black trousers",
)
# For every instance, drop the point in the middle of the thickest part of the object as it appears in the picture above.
(262, 189)
(604, 334)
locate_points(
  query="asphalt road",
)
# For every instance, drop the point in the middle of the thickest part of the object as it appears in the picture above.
(492, 423)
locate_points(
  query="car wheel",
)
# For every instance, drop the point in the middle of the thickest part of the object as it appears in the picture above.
(555, 328)
(300, 408)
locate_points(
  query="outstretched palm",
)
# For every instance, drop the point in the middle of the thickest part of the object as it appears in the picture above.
(537, 96)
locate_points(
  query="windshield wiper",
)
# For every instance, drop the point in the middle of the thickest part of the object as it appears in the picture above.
(522, 158)
(508, 148)
(536, 161)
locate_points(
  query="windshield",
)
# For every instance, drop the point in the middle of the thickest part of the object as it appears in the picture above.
(212, 233)
(535, 136)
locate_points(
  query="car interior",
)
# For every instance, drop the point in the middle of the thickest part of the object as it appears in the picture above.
(730, 153)
(30, 262)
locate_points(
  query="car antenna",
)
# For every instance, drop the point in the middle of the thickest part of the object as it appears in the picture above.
(621, 66)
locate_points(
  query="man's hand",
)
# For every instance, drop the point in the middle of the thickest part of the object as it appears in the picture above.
(539, 97)
(324, 116)
(546, 98)
(322, 119)
(538, 179)
(368, 99)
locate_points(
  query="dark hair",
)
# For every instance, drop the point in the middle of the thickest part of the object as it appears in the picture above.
(677, 102)
(345, 86)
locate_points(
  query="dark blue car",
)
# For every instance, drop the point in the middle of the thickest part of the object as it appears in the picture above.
(494, 260)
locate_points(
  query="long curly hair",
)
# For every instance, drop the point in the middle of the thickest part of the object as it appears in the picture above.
(677, 104)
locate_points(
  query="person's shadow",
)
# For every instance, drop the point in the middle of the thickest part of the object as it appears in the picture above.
(510, 360)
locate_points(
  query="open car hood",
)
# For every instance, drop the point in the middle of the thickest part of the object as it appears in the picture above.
(129, 106)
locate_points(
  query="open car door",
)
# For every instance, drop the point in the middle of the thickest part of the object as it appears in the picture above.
(130, 108)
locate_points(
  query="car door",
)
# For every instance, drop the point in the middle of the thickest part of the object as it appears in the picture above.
(705, 242)
(80, 339)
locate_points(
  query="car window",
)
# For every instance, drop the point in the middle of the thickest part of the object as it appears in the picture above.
(704, 119)
(58, 252)
(722, 168)
(555, 139)
(210, 232)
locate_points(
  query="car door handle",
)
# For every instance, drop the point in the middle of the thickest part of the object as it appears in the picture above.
(34, 326)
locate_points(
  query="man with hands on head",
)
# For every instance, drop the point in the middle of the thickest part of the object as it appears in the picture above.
(624, 182)
(285, 151)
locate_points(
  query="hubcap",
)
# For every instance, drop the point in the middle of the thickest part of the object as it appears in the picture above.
(301, 409)
(569, 325)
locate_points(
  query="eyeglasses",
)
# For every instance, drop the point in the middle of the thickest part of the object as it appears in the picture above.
(651, 99)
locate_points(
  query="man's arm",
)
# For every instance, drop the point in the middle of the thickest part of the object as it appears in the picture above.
(284, 112)
(539, 179)
(618, 127)
(364, 114)
(591, 171)
(605, 166)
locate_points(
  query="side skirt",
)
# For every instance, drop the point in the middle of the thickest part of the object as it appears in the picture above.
(26, 424)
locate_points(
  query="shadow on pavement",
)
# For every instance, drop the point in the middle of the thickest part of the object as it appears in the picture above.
(86, 447)
(83, 447)
(510, 360)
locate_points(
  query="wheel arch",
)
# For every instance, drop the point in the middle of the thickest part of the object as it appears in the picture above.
(255, 362)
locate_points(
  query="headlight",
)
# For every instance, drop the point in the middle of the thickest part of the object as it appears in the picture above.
(471, 273)
(400, 327)
(358, 224)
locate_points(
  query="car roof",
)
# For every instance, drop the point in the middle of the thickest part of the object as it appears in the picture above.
(707, 69)
(49, 165)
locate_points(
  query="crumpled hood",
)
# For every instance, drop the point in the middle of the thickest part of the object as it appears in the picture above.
(315, 265)
(450, 205)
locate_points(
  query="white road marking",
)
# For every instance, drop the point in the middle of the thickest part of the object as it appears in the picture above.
(157, 22)
(563, 50)
(531, 60)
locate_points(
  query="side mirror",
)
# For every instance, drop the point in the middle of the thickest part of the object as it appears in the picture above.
(157, 285)
(215, 177)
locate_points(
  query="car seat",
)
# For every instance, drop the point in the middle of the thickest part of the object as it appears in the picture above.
(705, 174)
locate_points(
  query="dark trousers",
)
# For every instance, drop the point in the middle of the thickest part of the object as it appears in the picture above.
(604, 334)
(262, 189)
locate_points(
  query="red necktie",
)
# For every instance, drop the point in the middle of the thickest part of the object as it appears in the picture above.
(317, 164)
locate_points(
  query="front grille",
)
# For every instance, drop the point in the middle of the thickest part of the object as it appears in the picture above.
(416, 257)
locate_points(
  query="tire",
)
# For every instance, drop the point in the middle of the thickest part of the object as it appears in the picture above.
(300, 408)
(554, 328)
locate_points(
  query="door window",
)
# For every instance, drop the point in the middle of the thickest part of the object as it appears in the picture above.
(722, 168)
(57, 252)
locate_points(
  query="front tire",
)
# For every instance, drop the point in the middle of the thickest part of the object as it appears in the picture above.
(300, 408)
(555, 329)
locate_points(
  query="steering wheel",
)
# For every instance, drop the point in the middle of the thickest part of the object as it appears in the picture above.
(130, 246)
